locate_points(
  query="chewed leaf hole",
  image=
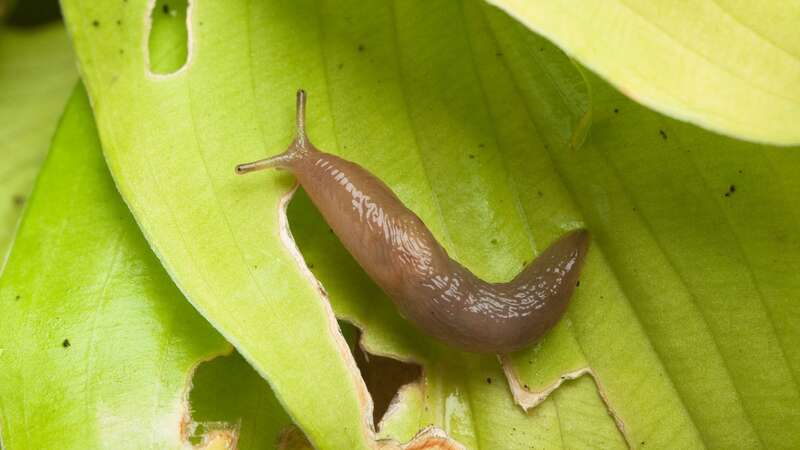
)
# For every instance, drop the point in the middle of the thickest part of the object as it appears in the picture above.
(168, 43)
(230, 400)
(292, 438)
(384, 377)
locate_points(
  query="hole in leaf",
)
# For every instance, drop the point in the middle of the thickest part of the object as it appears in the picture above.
(30, 14)
(168, 47)
(383, 376)
(292, 438)
(229, 396)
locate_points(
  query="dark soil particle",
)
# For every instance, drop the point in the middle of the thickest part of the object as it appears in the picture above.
(65, 343)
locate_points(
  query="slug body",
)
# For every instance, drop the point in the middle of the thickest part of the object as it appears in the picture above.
(400, 254)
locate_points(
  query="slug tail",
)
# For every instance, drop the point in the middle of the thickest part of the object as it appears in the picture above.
(566, 255)
(296, 150)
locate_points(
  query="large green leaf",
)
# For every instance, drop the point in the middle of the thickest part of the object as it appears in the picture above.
(85, 305)
(728, 65)
(37, 72)
(696, 275)
(473, 121)
(230, 257)
(248, 407)
(235, 268)
(98, 347)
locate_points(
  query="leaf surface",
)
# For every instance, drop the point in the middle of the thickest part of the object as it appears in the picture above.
(473, 121)
(174, 140)
(37, 72)
(119, 343)
(686, 269)
(97, 342)
(728, 65)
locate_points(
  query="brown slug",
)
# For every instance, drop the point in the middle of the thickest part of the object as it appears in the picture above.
(400, 254)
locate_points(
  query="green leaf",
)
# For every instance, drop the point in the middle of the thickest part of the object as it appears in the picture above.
(235, 268)
(701, 233)
(98, 346)
(165, 140)
(473, 122)
(693, 266)
(727, 65)
(37, 72)
(85, 305)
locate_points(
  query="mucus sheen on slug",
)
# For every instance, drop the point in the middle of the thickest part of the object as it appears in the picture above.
(430, 289)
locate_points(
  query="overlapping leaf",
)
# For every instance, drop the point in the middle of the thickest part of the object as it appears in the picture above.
(728, 65)
(178, 137)
(85, 305)
(98, 347)
(37, 72)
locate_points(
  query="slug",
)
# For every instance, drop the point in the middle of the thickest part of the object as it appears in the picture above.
(400, 254)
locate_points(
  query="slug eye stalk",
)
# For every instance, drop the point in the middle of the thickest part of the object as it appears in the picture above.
(300, 143)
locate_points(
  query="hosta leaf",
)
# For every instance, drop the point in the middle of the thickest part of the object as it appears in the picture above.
(37, 72)
(262, 307)
(701, 234)
(229, 261)
(474, 122)
(729, 65)
(85, 305)
(693, 265)
(98, 347)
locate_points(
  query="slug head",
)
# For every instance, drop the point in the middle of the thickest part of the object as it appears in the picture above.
(297, 150)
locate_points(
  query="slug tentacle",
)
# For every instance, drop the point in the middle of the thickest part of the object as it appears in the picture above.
(300, 120)
(400, 254)
(297, 150)
(277, 161)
